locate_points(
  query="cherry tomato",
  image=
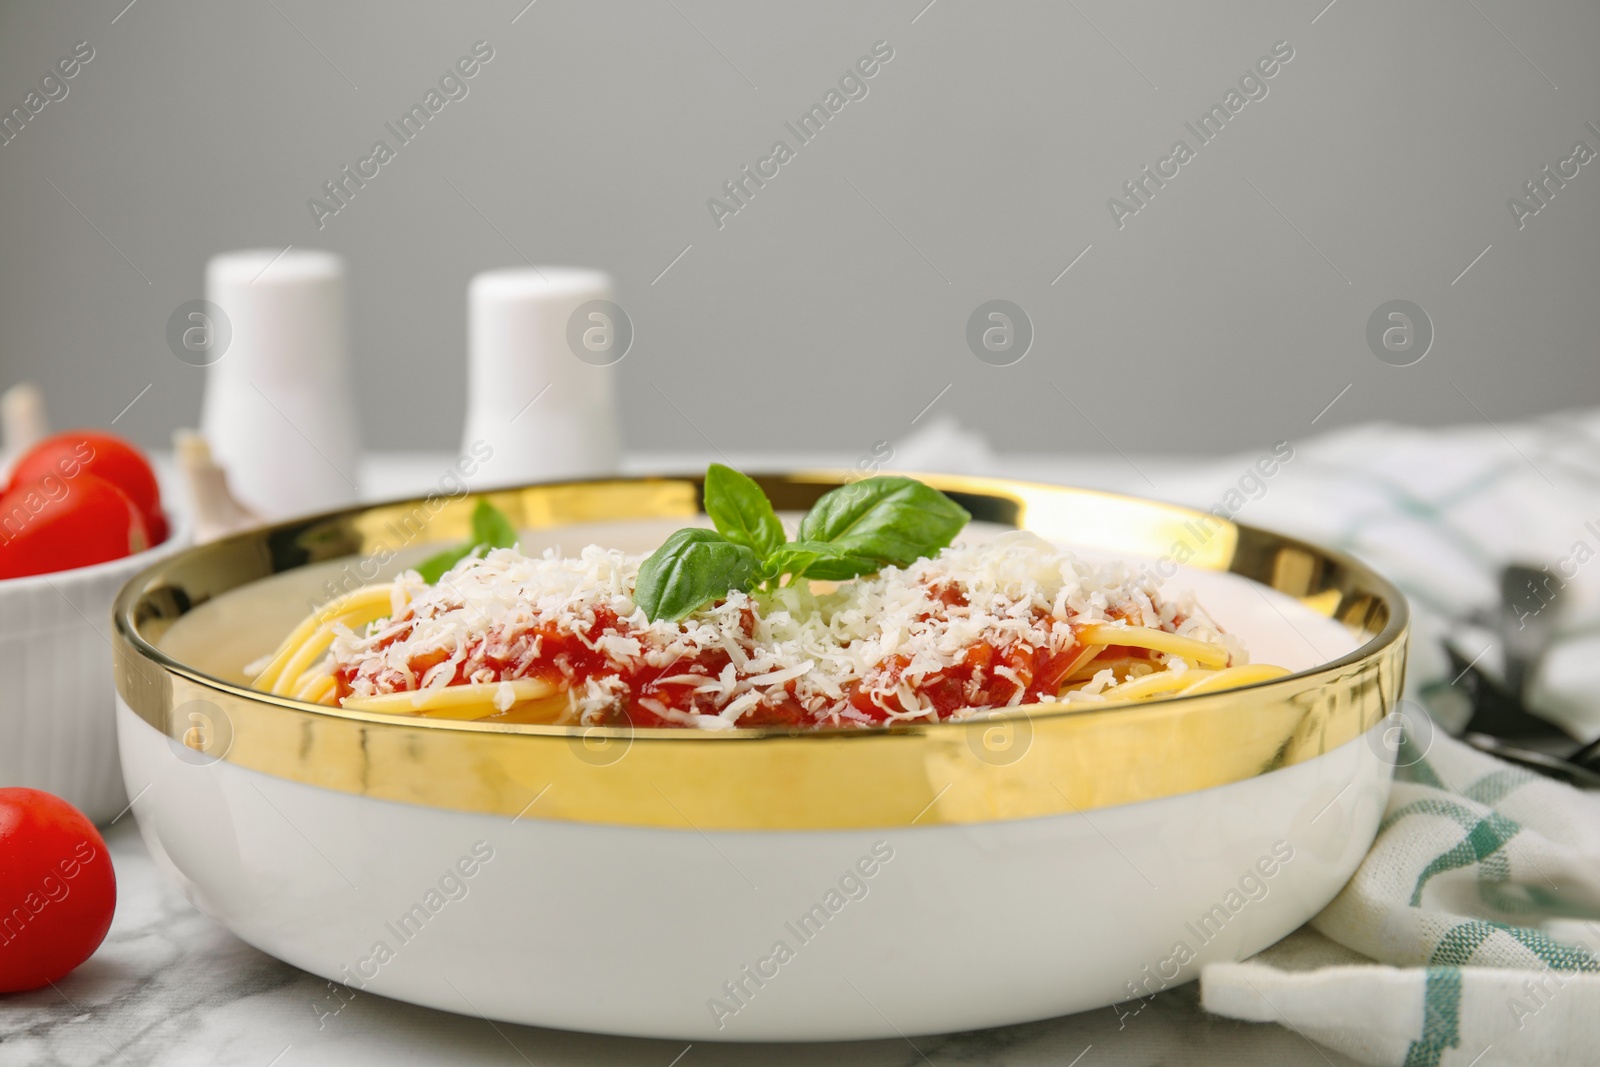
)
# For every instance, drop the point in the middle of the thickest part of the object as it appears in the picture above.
(57, 523)
(103, 455)
(57, 888)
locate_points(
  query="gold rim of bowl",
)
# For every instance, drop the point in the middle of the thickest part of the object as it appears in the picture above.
(1039, 760)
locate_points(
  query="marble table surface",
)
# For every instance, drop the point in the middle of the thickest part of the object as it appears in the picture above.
(172, 988)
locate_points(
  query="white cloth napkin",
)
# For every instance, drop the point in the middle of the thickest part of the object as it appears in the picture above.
(1462, 937)
(1469, 934)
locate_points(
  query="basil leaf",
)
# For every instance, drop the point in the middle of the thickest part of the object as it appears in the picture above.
(741, 511)
(691, 569)
(490, 529)
(815, 559)
(842, 567)
(434, 567)
(891, 520)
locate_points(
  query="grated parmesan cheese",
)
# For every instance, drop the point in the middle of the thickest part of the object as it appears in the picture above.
(882, 636)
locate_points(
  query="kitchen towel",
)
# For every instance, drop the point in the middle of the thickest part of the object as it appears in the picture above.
(1466, 937)
(1469, 934)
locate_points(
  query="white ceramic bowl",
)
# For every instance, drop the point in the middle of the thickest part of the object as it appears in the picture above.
(58, 727)
(759, 884)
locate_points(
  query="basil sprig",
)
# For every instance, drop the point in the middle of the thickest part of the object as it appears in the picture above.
(853, 530)
(490, 529)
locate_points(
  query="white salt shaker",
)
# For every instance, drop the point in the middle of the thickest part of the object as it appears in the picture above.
(543, 344)
(277, 408)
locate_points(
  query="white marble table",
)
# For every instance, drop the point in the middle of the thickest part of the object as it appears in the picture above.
(172, 988)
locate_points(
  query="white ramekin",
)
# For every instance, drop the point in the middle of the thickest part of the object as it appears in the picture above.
(58, 725)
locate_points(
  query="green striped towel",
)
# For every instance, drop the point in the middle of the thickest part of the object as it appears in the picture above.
(1468, 936)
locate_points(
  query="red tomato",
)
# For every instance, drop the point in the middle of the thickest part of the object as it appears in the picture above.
(57, 889)
(58, 523)
(103, 455)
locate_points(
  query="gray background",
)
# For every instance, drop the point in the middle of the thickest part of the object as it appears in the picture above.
(829, 312)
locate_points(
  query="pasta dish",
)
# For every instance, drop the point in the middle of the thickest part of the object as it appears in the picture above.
(962, 631)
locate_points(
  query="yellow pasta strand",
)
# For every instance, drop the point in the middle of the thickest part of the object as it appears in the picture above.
(353, 609)
(1122, 667)
(453, 701)
(317, 689)
(1152, 685)
(291, 678)
(1233, 677)
(1197, 652)
(1084, 661)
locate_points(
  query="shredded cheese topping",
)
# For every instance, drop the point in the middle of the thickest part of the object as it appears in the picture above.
(884, 636)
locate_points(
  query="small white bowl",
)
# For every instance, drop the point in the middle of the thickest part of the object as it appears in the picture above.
(58, 725)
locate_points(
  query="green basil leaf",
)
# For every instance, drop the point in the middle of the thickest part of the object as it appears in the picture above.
(434, 567)
(691, 569)
(815, 559)
(842, 568)
(741, 511)
(490, 529)
(888, 519)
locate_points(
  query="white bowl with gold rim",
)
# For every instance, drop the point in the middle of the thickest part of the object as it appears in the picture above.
(759, 884)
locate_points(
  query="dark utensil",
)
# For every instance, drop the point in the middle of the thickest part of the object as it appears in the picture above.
(1563, 770)
(1529, 611)
(1496, 710)
(1502, 724)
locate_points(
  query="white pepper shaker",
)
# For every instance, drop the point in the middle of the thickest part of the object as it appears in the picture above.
(542, 346)
(277, 408)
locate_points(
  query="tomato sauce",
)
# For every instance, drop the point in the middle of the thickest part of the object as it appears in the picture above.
(986, 675)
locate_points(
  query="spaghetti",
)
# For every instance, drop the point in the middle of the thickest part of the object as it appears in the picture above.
(515, 638)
